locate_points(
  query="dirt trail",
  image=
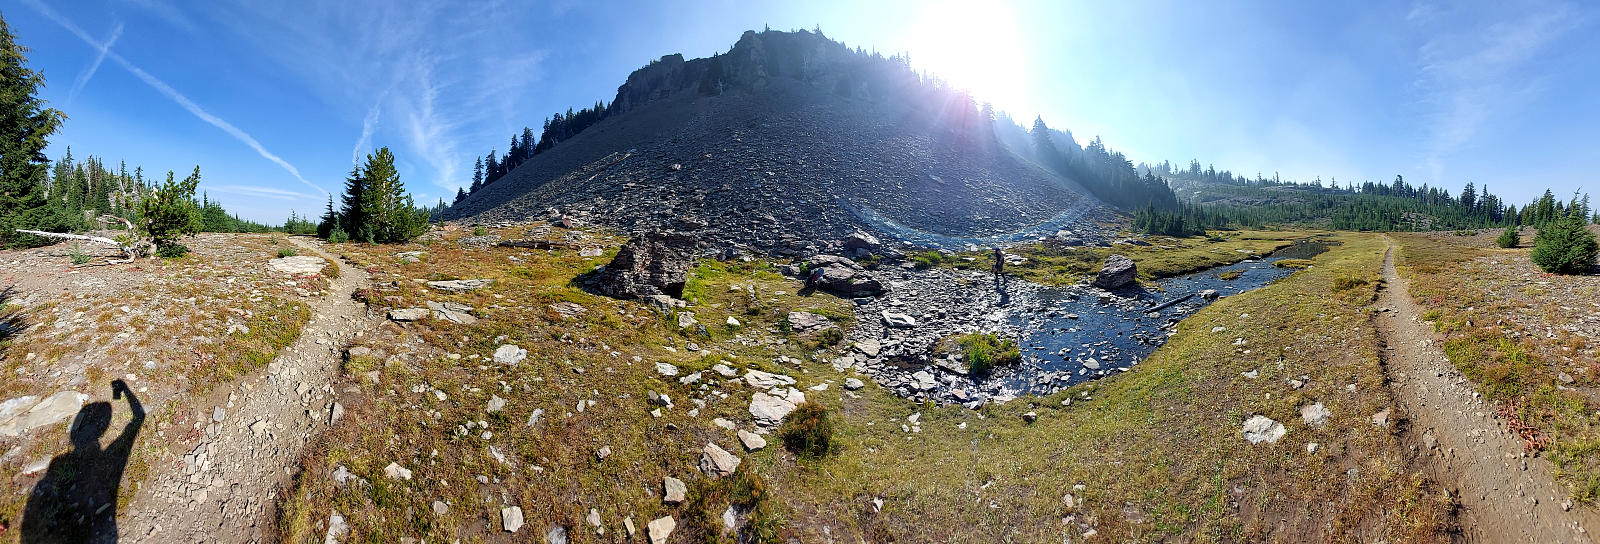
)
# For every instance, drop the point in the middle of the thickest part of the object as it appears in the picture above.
(226, 488)
(1506, 496)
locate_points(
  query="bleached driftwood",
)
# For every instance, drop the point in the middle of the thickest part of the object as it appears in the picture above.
(130, 251)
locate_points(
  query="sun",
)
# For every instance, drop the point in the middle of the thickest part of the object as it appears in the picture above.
(976, 46)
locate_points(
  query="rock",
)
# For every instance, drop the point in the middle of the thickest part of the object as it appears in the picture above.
(724, 370)
(358, 351)
(440, 508)
(533, 419)
(734, 322)
(511, 518)
(591, 252)
(508, 354)
(870, 348)
(218, 414)
(1311, 447)
(335, 413)
(1117, 272)
(603, 453)
(1209, 294)
(769, 410)
(660, 528)
(396, 472)
(1261, 428)
(923, 380)
(843, 277)
(1564, 377)
(453, 312)
(338, 529)
(674, 489)
(1315, 415)
(649, 264)
(14, 420)
(807, 321)
(860, 240)
(459, 286)
(898, 320)
(717, 462)
(751, 441)
(1030, 417)
(568, 310)
(687, 320)
(495, 404)
(594, 520)
(1381, 419)
(853, 384)
(766, 380)
(299, 265)
(408, 314)
(666, 369)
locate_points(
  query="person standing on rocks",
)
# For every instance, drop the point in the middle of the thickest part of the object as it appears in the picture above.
(999, 263)
(77, 499)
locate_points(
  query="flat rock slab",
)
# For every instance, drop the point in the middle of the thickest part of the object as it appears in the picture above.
(717, 462)
(298, 265)
(1261, 428)
(460, 286)
(52, 409)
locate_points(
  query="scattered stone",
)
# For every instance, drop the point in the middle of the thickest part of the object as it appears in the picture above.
(870, 348)
(508, 354)
(674, 489)
(338, 529)
(396, 472)
(440, 508)
(511, 518)
(660, 529)
(408, 314)
(686, 320)
(1261, 428)
(853, 384)
(335, 413)
(807, 321)
(1209, 294)
(594, 520)
(453, 312)
(1117, 272)
(898, 320)
(495, 404)
(734, 322)
(1315, 415)
(751, 441)
(667, 369)
(218, 414)
(1381, 419)
(766, 380)
(769, 410)
(1030, 417)
(1311, 447)
(568, 310)
(603, 453)
(717, 462)
(460, 286)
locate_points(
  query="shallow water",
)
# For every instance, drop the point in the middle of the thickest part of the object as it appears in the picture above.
(1069, 338)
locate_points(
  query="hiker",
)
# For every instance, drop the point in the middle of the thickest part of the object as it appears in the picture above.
(814, 278)
(999, 262)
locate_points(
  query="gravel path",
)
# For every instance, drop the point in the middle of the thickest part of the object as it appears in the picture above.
(1506, 496)
(227, 487)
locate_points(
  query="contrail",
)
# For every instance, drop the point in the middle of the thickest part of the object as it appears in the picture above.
(173, 94)
(366, 131)
(95, 66)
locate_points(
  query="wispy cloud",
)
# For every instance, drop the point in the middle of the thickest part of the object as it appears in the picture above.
(367, 124)
(261, 191)
(173, 94)
(1472, 72)
(166, 12)
(88, 73)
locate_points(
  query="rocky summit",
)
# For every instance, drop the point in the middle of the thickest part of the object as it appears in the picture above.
(790, 144)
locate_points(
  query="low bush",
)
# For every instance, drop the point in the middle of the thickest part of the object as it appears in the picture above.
(338, 236)
(807, 431)
(1301, 264)
(1346, 283)
(172, 251)
(287, 252)
(1508, 239)
(78, 255)
(985, 352)
(1565, 246)
(479, 231)
(928, 259)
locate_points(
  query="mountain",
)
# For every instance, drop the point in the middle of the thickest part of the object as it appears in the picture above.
(785, 143)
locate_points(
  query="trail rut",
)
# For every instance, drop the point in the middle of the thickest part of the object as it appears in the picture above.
(226, 488)
(1506, 495)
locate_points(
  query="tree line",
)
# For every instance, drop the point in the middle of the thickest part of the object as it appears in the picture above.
(557, 128)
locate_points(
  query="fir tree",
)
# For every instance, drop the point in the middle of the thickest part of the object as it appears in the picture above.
(25, 124)
(1565, 245)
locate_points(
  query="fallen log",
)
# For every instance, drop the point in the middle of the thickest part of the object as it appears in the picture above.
(539, 244)
(1170, 303)
(127, 250)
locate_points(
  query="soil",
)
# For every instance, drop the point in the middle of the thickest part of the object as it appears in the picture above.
(1505, 494)
(228, 490)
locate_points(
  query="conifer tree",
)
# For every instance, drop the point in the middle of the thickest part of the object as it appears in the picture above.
(25, 123)
(1565, 245)
(170, 213)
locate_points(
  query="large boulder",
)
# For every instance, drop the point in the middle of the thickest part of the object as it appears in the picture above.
(1118, 272)
(649, 264)
(844, 277)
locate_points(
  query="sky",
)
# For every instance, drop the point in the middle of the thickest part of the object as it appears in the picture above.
(275, 101)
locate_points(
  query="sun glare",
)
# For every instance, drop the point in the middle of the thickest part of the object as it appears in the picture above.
(975, 46)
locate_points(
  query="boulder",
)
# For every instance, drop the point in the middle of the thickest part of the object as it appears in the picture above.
(898, 320)
(454, 312)
(14, 420)
(766, 380)
(660, 529)
(853, 384)
(299, 265)
(408, 314)
(844, 277)
(649, 264)
(511, 518)
(751, 441)
(674, 489)
(1117, 272)
(1209, 294)
(769, 410)
(508, 354)
(860, 240)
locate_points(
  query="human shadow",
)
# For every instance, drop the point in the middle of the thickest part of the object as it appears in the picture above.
(76, 502)
(1000, 283)
(12, 321)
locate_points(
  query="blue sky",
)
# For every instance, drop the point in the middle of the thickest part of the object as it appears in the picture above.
(274, 99)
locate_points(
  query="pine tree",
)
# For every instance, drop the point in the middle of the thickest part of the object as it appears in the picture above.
(170, 213)
(1509, 238)
(461, 194)
(25, 124)
(391, 214)
(329, 222)
(477, 176)
(352, 213)
(1565, 245)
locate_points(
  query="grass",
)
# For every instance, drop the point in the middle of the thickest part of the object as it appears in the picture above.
(808, 432)
(1166, 257)
(1156, 450)
(287, 252)
(983, 352)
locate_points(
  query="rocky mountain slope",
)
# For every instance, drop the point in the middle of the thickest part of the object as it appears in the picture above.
(786, 142)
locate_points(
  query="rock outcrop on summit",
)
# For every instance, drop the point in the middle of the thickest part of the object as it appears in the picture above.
(787, 144)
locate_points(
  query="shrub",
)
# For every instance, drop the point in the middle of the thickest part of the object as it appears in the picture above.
(1230, 275)
(287, 252)
(338, 236)
(1300, 264)
(1509, 238)
(78, 255)
(984, 352)
(807, 432)
(479, 231)
(830, 336)
(928, 259)
(170, 212)
(172, 251)
(1565, 246)
(1346, 283)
